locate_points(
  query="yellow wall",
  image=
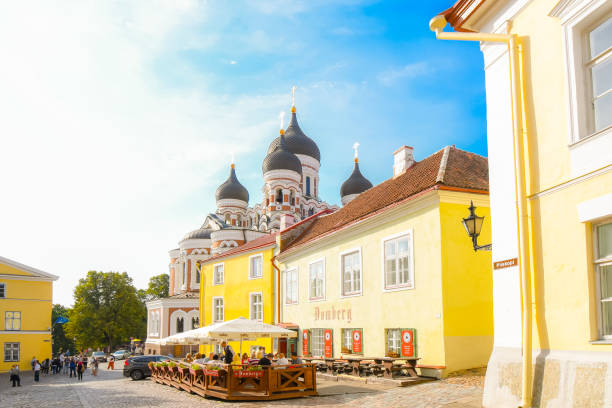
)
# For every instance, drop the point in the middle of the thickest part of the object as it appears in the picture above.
(565, 308)
(443, 318)
(33, 299)
(467, 286)
(235, 290)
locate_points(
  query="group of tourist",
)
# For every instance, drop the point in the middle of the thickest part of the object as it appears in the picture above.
(257, 357)
(74, 366)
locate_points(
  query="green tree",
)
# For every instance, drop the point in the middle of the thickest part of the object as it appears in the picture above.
(60, 342)
(107, 310)
(159, 286)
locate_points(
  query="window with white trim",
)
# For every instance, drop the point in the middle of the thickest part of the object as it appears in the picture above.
(351, 273)
(11, 352)
(218, 309)
(316, 280)
(348, 340)
(12, 320)
(599, 67)
(317, 342)
(398, 265)
(256, 306)
(255, 266)
(2, 290)
(291, 286)
(218, 274)
(603, 268)
(394, 342)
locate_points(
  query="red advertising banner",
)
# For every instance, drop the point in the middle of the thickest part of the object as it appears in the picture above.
(407, 343)
(305, 340)
(328, 343)
(356, 341)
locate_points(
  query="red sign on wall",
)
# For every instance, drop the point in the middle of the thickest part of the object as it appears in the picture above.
(356, 341)
(407, 343)
(328, 343)
(305, 339)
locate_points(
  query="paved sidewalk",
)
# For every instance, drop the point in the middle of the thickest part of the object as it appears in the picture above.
(111, 390)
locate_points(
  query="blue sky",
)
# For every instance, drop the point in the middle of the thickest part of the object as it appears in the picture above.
(120, 118)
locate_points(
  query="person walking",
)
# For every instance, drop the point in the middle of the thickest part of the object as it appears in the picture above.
(36, 371)
(94, 366)
(80, 368)
(72, 366)
(111, 363)
(14, 375)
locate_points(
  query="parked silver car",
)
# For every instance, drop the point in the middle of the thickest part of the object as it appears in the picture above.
(121, 354)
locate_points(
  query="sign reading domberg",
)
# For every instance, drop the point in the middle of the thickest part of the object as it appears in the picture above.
(343, 314)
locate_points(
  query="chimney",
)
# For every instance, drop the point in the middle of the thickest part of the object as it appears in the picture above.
(402, 160)
(286, 221)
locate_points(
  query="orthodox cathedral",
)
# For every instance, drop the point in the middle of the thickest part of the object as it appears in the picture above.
(290, 194)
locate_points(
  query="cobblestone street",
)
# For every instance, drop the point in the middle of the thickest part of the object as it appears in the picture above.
(111, 390)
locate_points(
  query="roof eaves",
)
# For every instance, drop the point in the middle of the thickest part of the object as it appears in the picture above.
(26, 268)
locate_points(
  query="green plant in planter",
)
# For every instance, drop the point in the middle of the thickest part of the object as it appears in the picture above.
(171, 364)
(195, 367)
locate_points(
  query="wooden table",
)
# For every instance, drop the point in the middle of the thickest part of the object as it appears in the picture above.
(387, 363)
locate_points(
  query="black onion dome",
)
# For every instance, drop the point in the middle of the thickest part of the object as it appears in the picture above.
(355, 184)
(232, 189)
(281, 159)
(197, 234)
(297, 141)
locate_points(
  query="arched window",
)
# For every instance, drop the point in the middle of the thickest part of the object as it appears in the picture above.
(195, 322)
(180, 323)
(308, 186)
(198, 266)
(227, 218)
(184, 282)
(279, 196)
(291, 197)
(310, 212)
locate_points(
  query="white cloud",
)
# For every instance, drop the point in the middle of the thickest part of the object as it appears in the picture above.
(410, 71)
(97, 155)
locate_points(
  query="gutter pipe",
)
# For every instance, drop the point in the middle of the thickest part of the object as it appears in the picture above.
(437, 24)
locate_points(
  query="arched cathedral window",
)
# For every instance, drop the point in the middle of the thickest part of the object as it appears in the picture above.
(180, 323)
(310, 212)
(195, 322)
(198, 266)
(279, 196)
(291, 197)
(308, 186)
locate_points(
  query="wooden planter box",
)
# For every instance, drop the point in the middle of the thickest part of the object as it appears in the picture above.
(185, 378)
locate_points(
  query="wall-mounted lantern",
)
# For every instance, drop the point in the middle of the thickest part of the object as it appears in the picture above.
(473, 225)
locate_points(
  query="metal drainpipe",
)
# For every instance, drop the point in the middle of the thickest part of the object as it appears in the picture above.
(437, 24)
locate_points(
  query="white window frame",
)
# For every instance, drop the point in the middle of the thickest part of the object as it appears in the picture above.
(599, 262)
(577, 23)
(251, 276)
(251, 317)
(13, 359)
(588, 149)
(409, 233)
(3, 286)
(214, 269)
(360, 291)
(13, 320)
(214, 311)
(312, 342)
(297, 286)
(398, 340)
(310, 295)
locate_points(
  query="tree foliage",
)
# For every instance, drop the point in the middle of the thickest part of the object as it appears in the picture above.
(107, 310)
(60, 342)
(159, 286)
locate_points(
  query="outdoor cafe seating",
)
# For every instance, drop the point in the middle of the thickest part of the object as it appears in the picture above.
(236, 381)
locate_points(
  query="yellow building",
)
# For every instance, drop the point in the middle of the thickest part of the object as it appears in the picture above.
(549, 120)
(393, 272)
(26, 296)
(239, 283)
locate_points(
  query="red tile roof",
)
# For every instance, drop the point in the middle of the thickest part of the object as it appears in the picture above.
(449, 167)
(261, 242)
